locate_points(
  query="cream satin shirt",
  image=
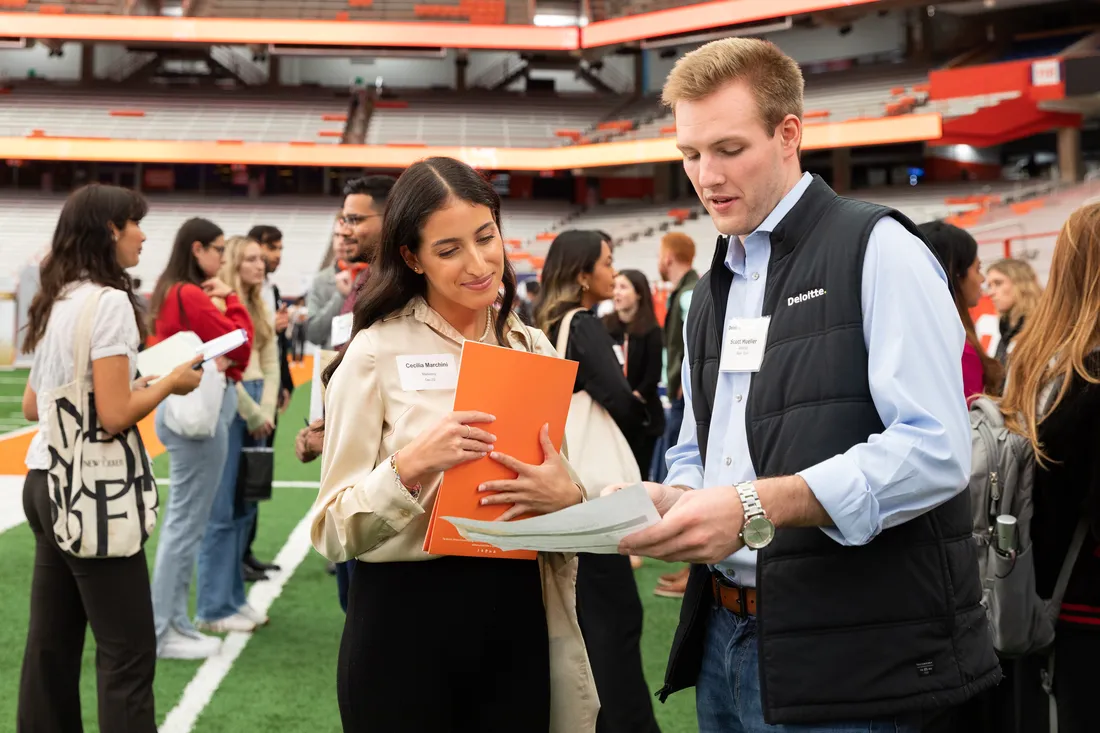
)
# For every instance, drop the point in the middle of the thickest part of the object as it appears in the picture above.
(362, 512)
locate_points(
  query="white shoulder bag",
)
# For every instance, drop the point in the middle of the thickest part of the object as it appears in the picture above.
(102, 493)
(598, 450)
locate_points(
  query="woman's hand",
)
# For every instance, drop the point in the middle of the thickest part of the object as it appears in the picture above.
(263, 431)
(662, 496)
(140, 383)
(185, 378)
(539, 489)
(215, 288)
(451, 441)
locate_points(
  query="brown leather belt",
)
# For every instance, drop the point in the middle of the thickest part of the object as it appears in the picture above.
(740, 601)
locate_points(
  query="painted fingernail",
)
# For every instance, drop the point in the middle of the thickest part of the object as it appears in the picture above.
(484, 502)
(493, 438)
(481, 488)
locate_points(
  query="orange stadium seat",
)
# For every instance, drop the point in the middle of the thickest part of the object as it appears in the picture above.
(51, 9)
(921, 88)
(897, 91)
(406, 145)
(330, 133)
(391, 104)
(360, 3)
(343, 15)
(334, 118)
(13, 3)
(127, 113)
(668, 130)
(816, 114)
(573, 135)
(546, 236)
(229, 142)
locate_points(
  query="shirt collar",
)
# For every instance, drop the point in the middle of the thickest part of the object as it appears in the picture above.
(735, 256)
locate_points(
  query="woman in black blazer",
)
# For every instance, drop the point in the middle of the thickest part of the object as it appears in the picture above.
(634, 329)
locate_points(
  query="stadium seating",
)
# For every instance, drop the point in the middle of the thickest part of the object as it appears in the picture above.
(70, 112)
(502, 120)
(28, 222)
(472, 11)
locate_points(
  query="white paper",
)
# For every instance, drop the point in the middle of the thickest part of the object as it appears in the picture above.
(427, 371)
(595, 526)
(743, 346)
(159, 361)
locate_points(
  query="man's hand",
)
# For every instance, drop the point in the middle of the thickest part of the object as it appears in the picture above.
(310, 441)
(702, 526)
(344, 281)
(662, 496)
(282, 320)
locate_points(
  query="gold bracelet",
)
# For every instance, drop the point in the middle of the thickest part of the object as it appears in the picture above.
(414, 491)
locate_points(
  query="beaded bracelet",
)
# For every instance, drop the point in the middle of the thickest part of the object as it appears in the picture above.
(414, 490)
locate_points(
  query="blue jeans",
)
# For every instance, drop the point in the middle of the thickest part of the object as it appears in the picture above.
(221, 579)
(727, 693)
(195, 468)
(675, 419)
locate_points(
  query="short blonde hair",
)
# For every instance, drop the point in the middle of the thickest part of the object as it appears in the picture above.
(680, 246)
(774, 77)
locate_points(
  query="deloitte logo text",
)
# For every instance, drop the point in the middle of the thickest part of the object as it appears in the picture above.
(795, 299)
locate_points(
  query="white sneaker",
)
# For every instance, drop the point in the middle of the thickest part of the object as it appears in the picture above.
(253, 615)
(236, 622)
(184, 646)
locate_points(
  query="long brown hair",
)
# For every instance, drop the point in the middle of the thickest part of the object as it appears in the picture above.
(645, 319)
(572, 252)
(182, 266)
(958, 251)
(83, 248)
(1062, 331)
(423, 189)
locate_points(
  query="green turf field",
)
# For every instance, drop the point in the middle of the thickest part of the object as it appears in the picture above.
(12, 383)
(284, 680)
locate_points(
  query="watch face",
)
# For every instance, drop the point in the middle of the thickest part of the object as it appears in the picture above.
(758, 532)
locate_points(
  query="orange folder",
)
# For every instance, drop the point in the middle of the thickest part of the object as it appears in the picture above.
(523, 391)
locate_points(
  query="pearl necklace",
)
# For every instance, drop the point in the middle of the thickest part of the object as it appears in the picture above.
(488, 324)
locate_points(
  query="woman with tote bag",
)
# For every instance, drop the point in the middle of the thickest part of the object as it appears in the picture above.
(84, 330)
(605, 420)
(182, 302)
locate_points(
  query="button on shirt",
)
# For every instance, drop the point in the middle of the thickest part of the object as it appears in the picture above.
(921, 460)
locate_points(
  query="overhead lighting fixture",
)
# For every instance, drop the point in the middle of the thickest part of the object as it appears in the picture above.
(549, 20)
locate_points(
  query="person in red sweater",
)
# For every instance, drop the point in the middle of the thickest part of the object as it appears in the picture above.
(182, 302)
(958, 252)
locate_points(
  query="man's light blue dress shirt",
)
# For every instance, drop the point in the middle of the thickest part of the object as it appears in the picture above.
(914, 343)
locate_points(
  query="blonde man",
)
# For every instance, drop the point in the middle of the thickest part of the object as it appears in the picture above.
(822, 351)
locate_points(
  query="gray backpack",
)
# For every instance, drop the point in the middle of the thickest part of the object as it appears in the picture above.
(1002, 477)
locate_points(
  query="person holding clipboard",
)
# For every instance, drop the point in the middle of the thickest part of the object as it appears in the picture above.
(454, 643)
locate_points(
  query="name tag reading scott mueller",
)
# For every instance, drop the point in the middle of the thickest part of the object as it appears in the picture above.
(427, 371)
(743, 345)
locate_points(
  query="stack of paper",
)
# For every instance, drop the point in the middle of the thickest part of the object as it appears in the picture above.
(159, 360)
(595, 526)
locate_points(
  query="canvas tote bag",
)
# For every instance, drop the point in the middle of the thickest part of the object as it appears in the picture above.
(102, 493)
(598, 451)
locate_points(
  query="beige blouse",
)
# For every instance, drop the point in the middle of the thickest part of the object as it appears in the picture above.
(362, 512)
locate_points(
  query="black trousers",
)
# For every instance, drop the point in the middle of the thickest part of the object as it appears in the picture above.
(450, 645)
(610, 614)
(68, 594)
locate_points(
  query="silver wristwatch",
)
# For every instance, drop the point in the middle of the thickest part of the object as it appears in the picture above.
(757, 531)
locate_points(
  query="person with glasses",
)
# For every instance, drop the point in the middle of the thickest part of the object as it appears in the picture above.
(360, 226)
(183, 300)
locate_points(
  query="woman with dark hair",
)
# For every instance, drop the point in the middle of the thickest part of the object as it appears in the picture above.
(494, 642)
(958, 252)
(634, 329)
(578, 274)
(182, 302)
(97, 238)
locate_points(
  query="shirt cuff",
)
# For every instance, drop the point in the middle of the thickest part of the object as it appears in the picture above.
(690, 476)
(842, 490)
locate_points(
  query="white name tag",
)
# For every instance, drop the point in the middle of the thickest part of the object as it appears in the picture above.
(619, 354)
(427, 371)
(341, 329)
(743, 345)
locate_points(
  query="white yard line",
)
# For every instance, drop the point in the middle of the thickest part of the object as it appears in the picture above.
(200, 690)
(11, 502)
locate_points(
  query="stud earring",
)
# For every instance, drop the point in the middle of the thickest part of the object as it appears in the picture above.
(584, 287)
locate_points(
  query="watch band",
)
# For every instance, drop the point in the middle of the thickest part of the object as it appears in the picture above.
(750, 500)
